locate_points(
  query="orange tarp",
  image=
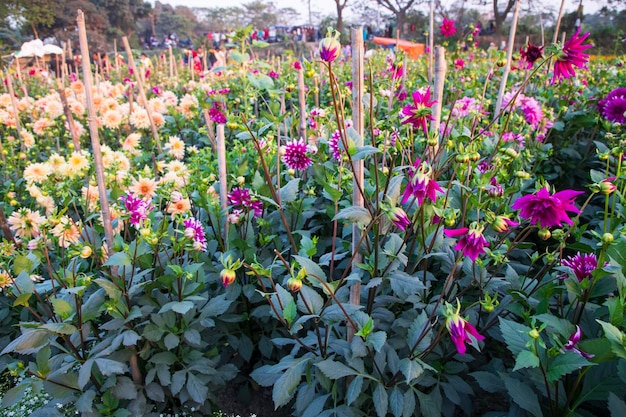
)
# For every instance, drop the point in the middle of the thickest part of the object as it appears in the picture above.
(413, 50)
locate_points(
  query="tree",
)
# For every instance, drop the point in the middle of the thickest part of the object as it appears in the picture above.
(399, 8)
(341, 4)
(500, 16)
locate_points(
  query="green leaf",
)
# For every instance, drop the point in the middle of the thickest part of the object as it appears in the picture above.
(408, 407)
(23, 284)
(312, 269)
(364, 151)
(616, 337)
(21, 264)
(354, 390)
(488, 381)
(526, 359)
(566, 363)
(22, 300)
(110, 367)
(109, 287)
(286, 385)
(289, 192)
(430, 404)
(405, 285)
(381, 400)
(354, 214)
(335, 370)
(377, 340)
(118, 259)
(515, 335)
(522, 395)
(239, 57)
(290, 311)
(396, 402)
(28, 342)
(60, 328)
(13, 396)
(410, 369)
(419, 327)
(171, 341)
(366, 329)
(197, 390)
(182, 307)
(617, 407)
(61, 308)
(309, 299)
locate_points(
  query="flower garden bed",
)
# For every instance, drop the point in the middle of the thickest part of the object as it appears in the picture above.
(365, 249)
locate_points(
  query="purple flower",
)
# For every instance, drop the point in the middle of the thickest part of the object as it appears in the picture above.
(447, 28)
(399, 217)
(194, 231)
(613, 107)
(465, 107)
(216, 116)
(421, 185)
(572, 55)
(532, 111)
(297, 65)
(273, 74)
(530, 54)
(582, 265)
(137, 208)
(471, 242)
(242, 201)
(573, 341)
(421, 110)
(495, 188)
(295, 154)
(461, 331)
(545, 209)
(329, 49)
(333, 145)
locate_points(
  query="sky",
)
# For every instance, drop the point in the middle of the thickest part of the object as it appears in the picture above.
(327, 7)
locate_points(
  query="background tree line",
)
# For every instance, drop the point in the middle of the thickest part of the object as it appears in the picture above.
(21, 20)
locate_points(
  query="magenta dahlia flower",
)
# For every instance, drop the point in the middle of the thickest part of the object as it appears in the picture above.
(532, 111)
(573, 341)
(334, 146)
(195, 231)
(582, 265)
(216, 116)
(545, 209)
(295, 154)
(572, 55)
(461, 331)
(242, 201)
(613, 107)
(421, 185)
(138, 208)
(530, 54)
(471, 242)
(330, 49)
(448, 27)
(399, 218)
(421, 110)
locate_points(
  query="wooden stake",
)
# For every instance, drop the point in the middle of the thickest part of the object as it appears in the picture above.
(302, 104)
(509, 56)
(431, 41)
(142, 93)
(93, 131)
(16, 111)
(68, 116)
(222, 172)
(439, 83)
(358, 179)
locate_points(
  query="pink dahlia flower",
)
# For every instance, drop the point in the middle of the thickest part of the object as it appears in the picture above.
(545, 209)
(613, 107)
(421, 110)
(572, 55)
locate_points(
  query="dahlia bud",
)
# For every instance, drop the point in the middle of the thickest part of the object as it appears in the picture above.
(86, 252)
(534, 333)
(294, 284)
(329, 48)
(544, 234)
(607, 187)
(227, 276)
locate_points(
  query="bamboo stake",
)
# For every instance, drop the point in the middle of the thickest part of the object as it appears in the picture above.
(171, 63)
(431, 41)
(439, 83)
(16, 111)
(358, 179)
(117, 61)
(222, 172)
(316, 86)
(509, 56)
(142, 92)
(93, 131)
(68, 116)
(302, 104)
(558, 22)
